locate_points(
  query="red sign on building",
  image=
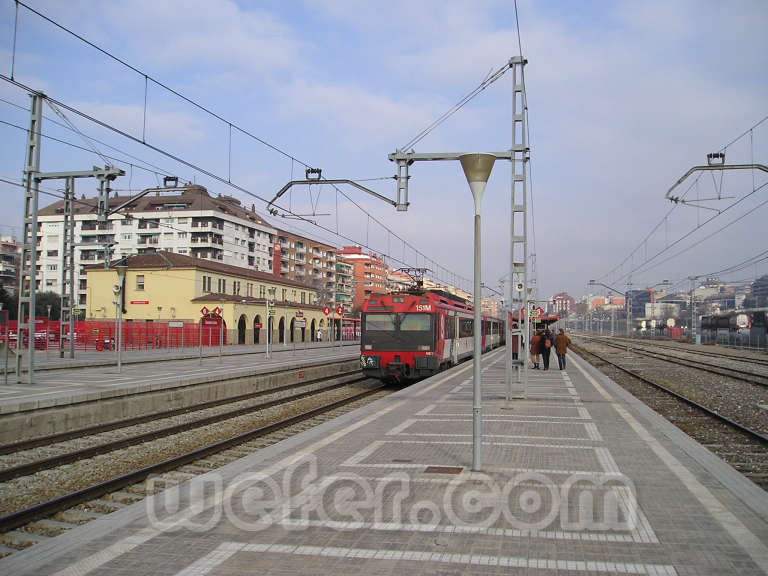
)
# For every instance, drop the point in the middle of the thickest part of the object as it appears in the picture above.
(276, 254)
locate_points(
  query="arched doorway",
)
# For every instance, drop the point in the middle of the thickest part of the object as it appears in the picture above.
(281, 330)
(241, 324)
(256, 329)
(293, 327)
(312, 331)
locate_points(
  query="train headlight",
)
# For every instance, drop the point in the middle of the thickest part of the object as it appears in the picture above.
(369, 361)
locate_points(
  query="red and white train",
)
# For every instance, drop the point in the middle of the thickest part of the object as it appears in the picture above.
(413, 335)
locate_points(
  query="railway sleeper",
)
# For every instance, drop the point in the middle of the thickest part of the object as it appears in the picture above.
(19, 540)
(122, 497)
(76, 517)
(47, 527)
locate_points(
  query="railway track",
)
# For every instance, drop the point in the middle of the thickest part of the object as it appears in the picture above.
(749, 376)
(741, 446)
(65, 454)
(31, 523)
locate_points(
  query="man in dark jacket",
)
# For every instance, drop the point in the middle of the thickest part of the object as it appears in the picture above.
(561, 348)
(546, 346)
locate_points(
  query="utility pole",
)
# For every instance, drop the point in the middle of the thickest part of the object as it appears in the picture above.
(693, 309)
(518, 250)
(68, 269)
(629, 315)
(28, 266)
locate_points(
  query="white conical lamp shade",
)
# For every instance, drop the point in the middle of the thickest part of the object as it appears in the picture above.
(477, 169)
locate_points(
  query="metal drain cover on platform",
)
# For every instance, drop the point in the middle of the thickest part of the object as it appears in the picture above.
(443, 469)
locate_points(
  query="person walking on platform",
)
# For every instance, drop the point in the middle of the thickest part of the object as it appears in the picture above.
(535, 349)
(546, 346)
(561, 348)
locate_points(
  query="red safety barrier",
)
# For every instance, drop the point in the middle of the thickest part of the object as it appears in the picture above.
(101, 335)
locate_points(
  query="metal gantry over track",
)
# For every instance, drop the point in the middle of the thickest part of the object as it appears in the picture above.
(25, 347)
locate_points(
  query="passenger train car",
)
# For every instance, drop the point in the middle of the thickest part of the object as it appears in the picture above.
(741, 328)
(408, 336)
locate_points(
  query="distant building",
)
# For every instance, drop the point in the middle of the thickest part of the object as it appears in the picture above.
(369, 274)
(563, 305)
(398, 282)
(491, 307)
(661, 310)
(639, 299)
(10, 252)
(299, 258)
(345, 285)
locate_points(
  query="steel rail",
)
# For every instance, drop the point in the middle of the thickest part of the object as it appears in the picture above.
(714, 414)
(69, 457)
(704, 367)
(713, 353)
(126, 422)
(22, 517)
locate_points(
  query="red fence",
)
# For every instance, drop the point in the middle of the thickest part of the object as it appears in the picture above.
(102, 334)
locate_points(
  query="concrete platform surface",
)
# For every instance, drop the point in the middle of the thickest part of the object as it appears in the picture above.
(578, 478)
(94, 375)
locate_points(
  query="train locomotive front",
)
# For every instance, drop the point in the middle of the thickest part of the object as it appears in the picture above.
(399, 338)
(409, 336)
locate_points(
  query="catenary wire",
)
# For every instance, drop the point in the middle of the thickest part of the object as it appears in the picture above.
(186, 99)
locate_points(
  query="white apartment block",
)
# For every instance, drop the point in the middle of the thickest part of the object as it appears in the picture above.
(184, 219)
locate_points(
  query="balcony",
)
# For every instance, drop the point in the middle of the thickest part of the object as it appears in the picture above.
(149, 224)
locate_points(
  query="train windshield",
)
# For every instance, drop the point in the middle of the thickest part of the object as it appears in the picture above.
(398, 331)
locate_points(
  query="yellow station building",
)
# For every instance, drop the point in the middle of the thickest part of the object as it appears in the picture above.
(170, 287)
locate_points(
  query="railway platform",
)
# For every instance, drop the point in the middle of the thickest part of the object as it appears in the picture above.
(577, 478)
(68, 395)
(94, 375)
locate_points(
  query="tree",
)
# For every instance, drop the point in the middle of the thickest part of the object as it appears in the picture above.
(45, 299)
(324, 293)
(9, 302)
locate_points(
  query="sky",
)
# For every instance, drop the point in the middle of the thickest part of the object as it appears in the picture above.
(623, 97)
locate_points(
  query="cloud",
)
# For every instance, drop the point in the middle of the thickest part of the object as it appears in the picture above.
(193, 34)
(165, 126)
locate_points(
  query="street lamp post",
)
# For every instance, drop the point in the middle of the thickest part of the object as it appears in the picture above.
(118, 290)
(477, 168)
(48, 330)
(271, 295)
(221, 333)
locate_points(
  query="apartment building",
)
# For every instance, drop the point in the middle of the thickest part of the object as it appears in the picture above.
(345, 285)
(368, 271)
(301, 259)
(182, 219)
(10, 253)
